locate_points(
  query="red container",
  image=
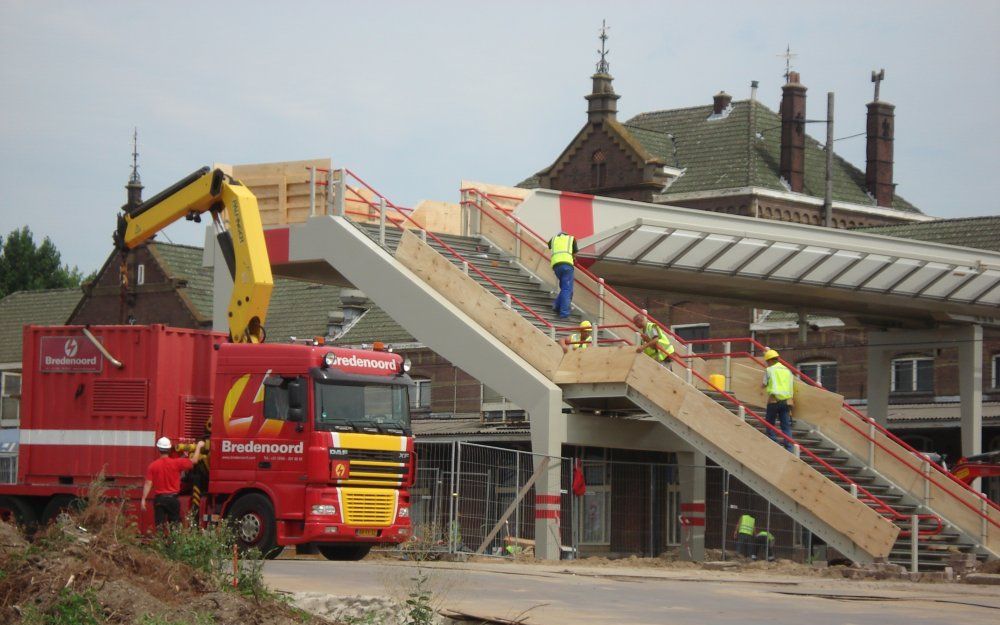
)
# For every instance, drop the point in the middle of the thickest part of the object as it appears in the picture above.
(81, 414)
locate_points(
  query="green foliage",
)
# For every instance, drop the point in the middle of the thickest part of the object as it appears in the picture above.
(70, 608)
(419, 610)
(26, 266)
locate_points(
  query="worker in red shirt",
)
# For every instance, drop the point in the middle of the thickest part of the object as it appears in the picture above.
(163, 480)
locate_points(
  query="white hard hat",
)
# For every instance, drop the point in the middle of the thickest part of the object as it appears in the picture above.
(164, 444)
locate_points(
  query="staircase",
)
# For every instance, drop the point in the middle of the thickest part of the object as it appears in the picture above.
(810, 491)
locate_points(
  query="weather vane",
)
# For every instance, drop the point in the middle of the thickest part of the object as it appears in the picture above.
(602, 65)
(788, 56)
(877, 78)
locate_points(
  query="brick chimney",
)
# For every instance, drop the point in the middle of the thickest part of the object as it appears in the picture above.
(720, 102)
(878, 171)
(793, 132)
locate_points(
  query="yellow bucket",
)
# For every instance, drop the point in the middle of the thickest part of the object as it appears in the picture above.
(718, 381)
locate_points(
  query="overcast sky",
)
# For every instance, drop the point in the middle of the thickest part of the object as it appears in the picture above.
(416, 96)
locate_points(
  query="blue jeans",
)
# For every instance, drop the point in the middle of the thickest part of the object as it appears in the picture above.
(564, 273)
(776, 411)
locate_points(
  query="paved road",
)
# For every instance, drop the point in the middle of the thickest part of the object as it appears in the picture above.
(557, 595)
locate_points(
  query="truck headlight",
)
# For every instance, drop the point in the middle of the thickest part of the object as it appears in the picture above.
(324, 510)
(404, 512)
(407, 365)
(328, 359)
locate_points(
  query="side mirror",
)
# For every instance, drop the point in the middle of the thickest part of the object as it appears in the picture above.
(296, 415)
(296, 394)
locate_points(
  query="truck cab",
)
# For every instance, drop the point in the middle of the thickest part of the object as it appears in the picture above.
(312, 445)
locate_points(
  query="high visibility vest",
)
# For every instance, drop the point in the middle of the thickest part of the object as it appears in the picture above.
(575, 339)
(747, 524)
(562, 249)
(769, 535)
(780, 382)
(652, 331)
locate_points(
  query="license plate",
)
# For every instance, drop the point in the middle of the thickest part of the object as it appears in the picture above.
(366, 532)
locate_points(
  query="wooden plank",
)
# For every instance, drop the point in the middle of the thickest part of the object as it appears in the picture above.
(543, 466)
(438, 217)
(746, 385)
(759, 455)
(817, 406)
(595, 365)
(508, 326)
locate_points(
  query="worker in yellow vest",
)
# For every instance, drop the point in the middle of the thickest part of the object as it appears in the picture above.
(563, 247)
(655, 342)
(744, 535)
(764, 541)
(780, 385)
(579, 340)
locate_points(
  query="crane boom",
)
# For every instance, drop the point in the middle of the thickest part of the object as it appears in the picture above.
(243, 246)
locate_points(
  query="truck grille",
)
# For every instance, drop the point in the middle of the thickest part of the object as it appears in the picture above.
(369, 506)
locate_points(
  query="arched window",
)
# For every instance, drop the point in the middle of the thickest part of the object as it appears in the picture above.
(598, 169)
(822, 371)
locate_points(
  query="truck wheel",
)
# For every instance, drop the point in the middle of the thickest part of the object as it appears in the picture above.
(350, 553)
(252, 519)
(18, 511)
(58, 508)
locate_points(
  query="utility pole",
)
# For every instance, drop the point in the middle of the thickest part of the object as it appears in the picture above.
(828, 195)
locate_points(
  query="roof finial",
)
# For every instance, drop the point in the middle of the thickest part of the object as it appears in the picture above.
(602, 65)
(788, 56)
(877, 78)
(134, 178)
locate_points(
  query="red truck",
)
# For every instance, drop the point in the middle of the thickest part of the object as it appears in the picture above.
(306, 444)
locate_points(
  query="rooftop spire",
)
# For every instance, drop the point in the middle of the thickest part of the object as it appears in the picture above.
(602, 64)
(134, 178)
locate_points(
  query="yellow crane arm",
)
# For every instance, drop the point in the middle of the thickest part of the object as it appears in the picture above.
(243, 246)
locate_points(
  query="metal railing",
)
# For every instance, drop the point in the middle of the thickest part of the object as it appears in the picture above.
(608, 297)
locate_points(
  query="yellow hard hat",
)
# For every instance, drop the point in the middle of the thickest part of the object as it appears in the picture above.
(585, 324)
(769, 354)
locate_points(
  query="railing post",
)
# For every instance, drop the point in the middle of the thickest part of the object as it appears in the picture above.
(727, 364)
(985, 514)
(339, 197)
(600, 301)
(381, 222)
(507, 301)
(477, 216)
(854, 491)
(423, 235)
(690, 373)
(594, 342)
(552, 332)
(465, 267)
(517, 240)
(312, 191)
(925, 469)
(871, 443)
(741, 412)
(914, 544)
(797, 450)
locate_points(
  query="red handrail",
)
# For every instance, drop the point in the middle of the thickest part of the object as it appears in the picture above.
(636, 309)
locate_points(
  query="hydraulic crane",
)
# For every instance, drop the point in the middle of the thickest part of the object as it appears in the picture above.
(243, 247)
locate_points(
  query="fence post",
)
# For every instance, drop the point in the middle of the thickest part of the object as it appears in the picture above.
(381, 221)
(312, 191)
(727, 363)
(725, 507)
(914, 543)
(452, 494)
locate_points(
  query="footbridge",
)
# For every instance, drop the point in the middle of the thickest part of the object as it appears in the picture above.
(848, 480)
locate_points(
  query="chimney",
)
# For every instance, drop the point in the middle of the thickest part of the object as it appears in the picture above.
(793, 132)
(602, 102)
(880, 131)
(721, 102)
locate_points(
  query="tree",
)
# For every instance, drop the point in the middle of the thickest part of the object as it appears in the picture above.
(25, 266)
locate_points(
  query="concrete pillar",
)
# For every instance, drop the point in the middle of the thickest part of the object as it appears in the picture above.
(548, 433)
(691, 470)
(970, 389)
(879, 382)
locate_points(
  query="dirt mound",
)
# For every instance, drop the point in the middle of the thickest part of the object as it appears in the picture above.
(93, 568)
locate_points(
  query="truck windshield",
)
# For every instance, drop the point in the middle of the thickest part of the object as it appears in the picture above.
(359, 405)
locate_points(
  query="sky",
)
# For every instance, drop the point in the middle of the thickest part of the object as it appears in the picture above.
(417, 96)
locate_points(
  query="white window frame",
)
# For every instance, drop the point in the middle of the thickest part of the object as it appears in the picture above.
(4, 376)
(913, 386)
(702, 347)
(819, 364)
(421, 387)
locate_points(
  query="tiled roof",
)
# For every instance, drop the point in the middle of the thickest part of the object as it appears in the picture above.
(184, 262)
(297, 308)
(47, 307)
(741, 149)
(981, 233)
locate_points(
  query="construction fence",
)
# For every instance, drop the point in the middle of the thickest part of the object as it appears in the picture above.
(464, 492)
